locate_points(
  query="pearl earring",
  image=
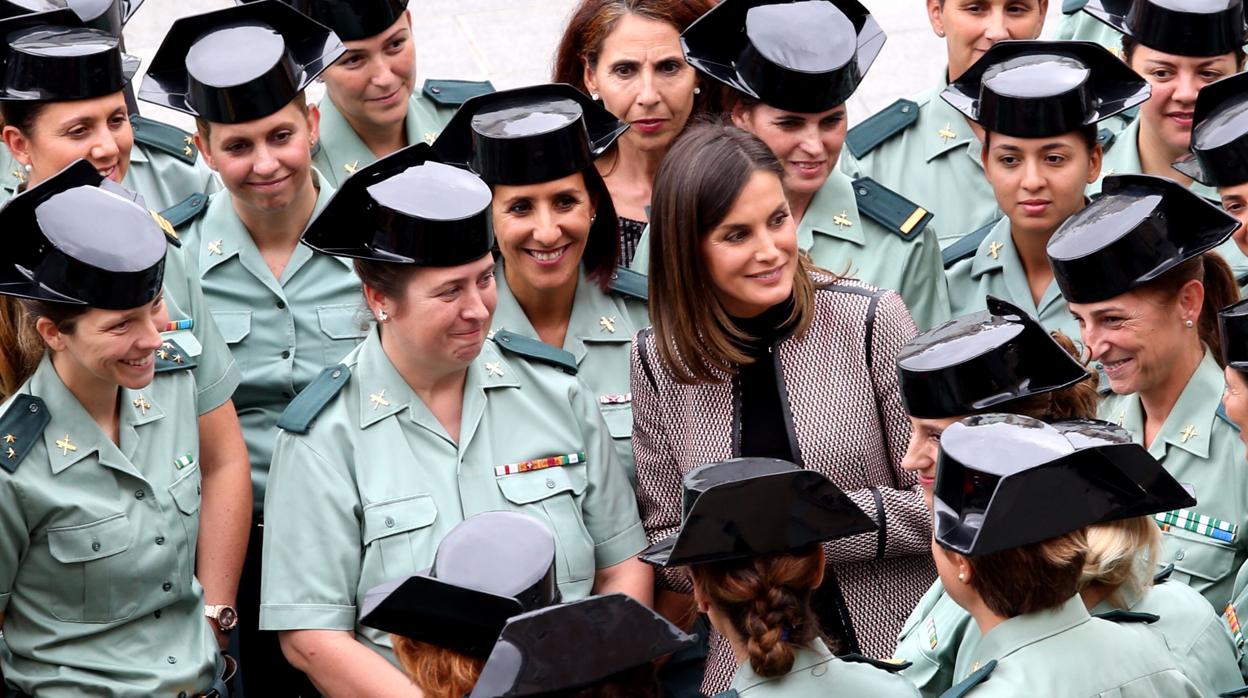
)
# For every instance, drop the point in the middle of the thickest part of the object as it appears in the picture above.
(697, 90)
(961, 577)
(593, 96)
(382, 316)
(27, 167)
(1188, 323)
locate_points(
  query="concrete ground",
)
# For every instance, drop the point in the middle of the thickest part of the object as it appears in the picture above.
(512, 42)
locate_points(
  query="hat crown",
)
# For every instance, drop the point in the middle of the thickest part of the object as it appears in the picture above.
(796, 35)
(432, 191)
(129, 242)
(503, 553)
(1104, 221)
(1036, 76)
(1227, 124)
(957, 342)
(704, 477)
(518, 118)
(214, 58)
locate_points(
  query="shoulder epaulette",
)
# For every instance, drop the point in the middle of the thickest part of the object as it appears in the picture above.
(167, 228)
(889, 665)
(1105, 138)
(21, 425)
(881, 126)
(965, 246)
(303, 410)
(186, 210)
(1164, 575)
(535, 350)
(452, 93)
(1118, 615)
(165, 138)
(1236, 693)
(899, 215)
(630, 283)
(171, 357)
(1070, 7)
(1221, 412)
(964, 686)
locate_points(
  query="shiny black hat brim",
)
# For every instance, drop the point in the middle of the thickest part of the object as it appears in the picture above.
(1172, 31)
(1233, 325)
(1219, 143)
(430, 610)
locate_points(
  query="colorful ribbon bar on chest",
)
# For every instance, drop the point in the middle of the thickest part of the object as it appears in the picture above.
(539, 464)
(1200, 524)
(188, 324)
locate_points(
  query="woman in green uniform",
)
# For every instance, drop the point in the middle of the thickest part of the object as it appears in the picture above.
(1038, 103)
(444, 622)
(286, 313)
(1219, 151)
(754, 571)
(556, 233)
(99, 475)
(425, 423)
(791, 67)
(1012, 501)
(161, 163)
(371, 106)
(1133, 268)
(66, 74)
(923, 148)
(1233, 330)
(996, 359)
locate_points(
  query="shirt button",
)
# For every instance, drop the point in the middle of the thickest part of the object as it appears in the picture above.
(182, 695)
(281, 305)
(157, 614)
(166, 586)
(286, 355)
(1180, 555)
(138, 494)
(550, 484)
(95, 546)
(389, 522)
(160, 540)
(172, 660)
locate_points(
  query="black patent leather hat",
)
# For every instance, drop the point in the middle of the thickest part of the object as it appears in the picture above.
(807, 56)
(1233, 323)
(80, 239)
(51, 57)
(979, 361)
(490, 567)
(109, 16)
(1005, 481)
(575, 645)
(351, 20)
(1036, 89)
(1140, 228)
(722, 520)
(240, 63)
(528, 135)
(1219, 149)
(407, 208)
(1195, 28)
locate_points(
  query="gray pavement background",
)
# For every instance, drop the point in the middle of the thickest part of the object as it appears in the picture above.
(512, 42)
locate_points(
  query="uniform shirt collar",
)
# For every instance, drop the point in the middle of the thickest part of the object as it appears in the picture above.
(1006, 262)
(806, 657)
(832, 207)
(344, 149)
(593, 316)
(942, 120)
(1193, 414)
(384, 393)
(1014, 634)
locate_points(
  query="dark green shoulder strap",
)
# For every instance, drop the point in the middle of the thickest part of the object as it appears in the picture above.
(899, 215)
(170, 140)
(20, 428)
(965, 246)
(1221, 412)
(534, 350)
(303, 410)
(629, 283)
(881, 126)
(1070, 7)
(1236, 693)
(965, 686)
(1105, 138)
(186, 210)
(1119, 615)
(889, 666)
(171, 357)
(1164, 575)
(452, 93)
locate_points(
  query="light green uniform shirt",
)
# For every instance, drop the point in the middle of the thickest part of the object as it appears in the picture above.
(1238, 608)
(340, 151)
(1203, 451)
(935, 162)
(937, 631)
(996, 269)
(600, 337)
(281, 332)
(97, 548)
(1197, 639)
(816, 672)
(376, 483)
(845, 241)
(1065, 652)
(1081, 26)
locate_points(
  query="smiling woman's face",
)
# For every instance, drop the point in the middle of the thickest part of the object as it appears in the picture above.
(97, 130)
(971, 27)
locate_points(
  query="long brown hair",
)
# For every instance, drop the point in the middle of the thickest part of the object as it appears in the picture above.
(768, 601)
(1030, 578)
(695, 189)
(1212, 271)
(437, 671)
(21, 347)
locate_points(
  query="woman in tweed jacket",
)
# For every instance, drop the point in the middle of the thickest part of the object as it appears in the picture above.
(788, 361)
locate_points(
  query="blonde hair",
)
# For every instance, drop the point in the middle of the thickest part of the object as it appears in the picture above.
(437, 671)
(1121, 555)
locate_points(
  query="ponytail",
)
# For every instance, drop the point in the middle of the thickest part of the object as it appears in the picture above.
(1221, 290)
(768, 601)
(21, 347)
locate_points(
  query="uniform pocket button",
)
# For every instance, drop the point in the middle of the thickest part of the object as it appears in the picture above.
(157, 614)
(95, 546)
(389, 522)
(550, 484)
(286, 355)
(160, 540)
(139, 494)
(1180, 555)
(166, 586)
(172, 660)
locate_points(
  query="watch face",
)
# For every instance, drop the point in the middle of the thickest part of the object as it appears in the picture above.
(227, 618)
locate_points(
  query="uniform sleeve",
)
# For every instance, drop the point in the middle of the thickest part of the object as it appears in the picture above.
(14, 538)
(312, 551)
(609, 509)
(658, 474)
(904, 520)
(925, 288)
(216, 372)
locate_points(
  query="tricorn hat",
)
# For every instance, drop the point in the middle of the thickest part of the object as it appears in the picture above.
(351, 20)
(1178, 27)
(52, 57)
(807, 56)
(1219, 148)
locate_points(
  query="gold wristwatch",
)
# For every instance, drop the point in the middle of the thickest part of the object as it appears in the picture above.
(226, 617)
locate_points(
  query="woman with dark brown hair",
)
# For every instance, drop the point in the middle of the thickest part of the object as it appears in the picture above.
(1136, 271)
(755, 352)
(627, 53)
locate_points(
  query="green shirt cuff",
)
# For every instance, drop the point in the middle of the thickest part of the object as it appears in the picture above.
(214, 394)
(620, 547)
(307, 617)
